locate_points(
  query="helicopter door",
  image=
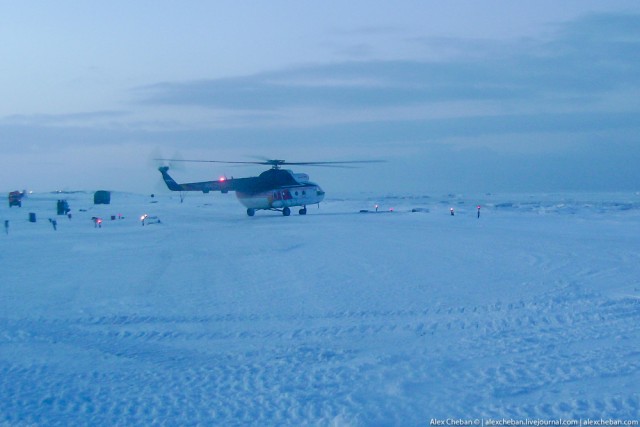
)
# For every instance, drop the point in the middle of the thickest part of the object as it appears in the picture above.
(281, 198)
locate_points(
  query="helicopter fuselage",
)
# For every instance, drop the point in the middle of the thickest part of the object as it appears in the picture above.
(274, 189)
(283, 197)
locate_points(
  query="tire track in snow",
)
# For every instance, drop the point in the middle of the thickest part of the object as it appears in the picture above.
(313, 367)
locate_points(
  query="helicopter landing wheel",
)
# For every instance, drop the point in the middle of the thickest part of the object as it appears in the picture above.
(286, 211)
(303, 211)
(251, 212)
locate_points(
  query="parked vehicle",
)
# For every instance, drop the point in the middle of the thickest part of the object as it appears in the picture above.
(15, 198)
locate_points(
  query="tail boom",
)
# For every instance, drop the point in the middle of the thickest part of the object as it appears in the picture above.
(205, 186)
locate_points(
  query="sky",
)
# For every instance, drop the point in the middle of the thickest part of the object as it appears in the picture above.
(456, 96)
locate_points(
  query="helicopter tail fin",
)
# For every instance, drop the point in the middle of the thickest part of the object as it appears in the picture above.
(173, 186)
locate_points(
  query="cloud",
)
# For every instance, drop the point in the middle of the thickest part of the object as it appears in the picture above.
(585, 79)
(588, 57)
(555, 113)
(605, 28)
(88, 119)
(363, 84)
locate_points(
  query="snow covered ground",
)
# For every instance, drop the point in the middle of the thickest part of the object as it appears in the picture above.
(531, 311)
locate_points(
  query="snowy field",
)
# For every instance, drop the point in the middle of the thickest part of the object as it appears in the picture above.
(531, 311)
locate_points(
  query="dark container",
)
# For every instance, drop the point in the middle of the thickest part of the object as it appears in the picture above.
(102, 197)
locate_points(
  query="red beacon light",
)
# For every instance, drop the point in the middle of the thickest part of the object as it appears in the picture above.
(222, 179)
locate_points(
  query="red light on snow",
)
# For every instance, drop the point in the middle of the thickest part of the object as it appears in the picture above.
(222, 179)
(478, 206)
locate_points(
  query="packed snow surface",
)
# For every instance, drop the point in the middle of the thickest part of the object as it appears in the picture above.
(339, 317)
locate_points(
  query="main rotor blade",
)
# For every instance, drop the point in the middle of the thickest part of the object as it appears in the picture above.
(212, 161)
(333, 163)
(278, 162)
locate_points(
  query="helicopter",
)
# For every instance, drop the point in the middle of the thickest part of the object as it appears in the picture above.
(275, 189)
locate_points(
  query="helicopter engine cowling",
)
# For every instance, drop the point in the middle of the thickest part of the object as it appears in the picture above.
(302, 178)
